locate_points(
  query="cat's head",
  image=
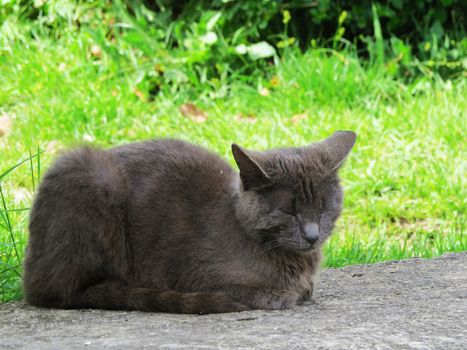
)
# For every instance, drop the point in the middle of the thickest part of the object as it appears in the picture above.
(290, 198)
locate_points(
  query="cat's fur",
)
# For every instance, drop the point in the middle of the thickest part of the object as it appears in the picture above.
(168, 226)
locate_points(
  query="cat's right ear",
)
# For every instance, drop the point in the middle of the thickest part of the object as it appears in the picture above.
(252, 175)
(337, 147)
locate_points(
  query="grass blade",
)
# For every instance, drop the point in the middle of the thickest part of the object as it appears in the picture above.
(8, 223)
(378, 36)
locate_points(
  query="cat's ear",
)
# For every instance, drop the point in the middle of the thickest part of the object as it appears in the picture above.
(252, 175)
(337, 147)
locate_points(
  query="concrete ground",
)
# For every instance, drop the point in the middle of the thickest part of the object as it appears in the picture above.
(410, 304)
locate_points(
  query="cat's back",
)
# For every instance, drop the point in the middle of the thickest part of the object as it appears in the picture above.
(174, 171)
(167, 152)
(173, 160)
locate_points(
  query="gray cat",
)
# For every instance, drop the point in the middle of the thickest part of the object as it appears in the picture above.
(168, 226)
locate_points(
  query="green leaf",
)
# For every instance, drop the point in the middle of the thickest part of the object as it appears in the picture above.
(212, 22)
(209, 38)
(241, 49)
(260, 50)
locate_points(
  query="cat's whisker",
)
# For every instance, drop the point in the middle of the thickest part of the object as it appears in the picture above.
(270, 246)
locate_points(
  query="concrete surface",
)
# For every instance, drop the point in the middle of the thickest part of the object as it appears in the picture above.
(411, 304)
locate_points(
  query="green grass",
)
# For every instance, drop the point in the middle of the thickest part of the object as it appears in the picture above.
(404, 181)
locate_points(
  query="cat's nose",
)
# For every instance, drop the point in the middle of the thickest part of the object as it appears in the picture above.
(311, 232)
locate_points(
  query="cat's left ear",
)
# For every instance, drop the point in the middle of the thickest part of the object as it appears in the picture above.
(252, 175)
(337, 147)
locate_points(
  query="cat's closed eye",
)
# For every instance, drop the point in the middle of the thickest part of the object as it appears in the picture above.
(290, 208)
(282, 200)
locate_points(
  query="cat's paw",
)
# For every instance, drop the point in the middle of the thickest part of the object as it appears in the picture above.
(216, 303)
(276, 300)
(306, 296)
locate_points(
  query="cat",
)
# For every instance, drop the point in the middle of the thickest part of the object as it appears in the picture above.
(168, 226)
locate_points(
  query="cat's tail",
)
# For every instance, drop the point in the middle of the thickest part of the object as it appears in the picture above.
(114, 295)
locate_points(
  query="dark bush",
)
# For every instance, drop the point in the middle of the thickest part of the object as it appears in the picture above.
(420, 23)
(194, 41)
